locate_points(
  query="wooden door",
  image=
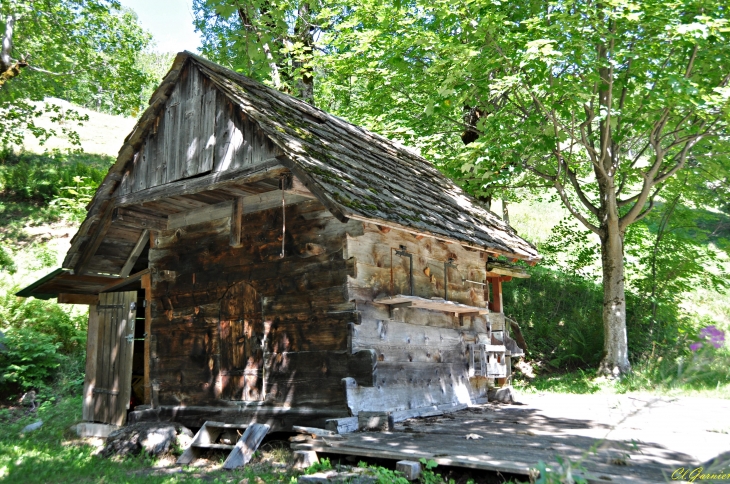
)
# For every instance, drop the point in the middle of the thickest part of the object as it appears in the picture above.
(109, 349)
(241, 341)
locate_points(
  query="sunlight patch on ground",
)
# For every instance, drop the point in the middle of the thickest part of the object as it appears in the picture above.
(102, 133)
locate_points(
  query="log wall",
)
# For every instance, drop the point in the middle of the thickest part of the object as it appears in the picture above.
(236, 325)
(421, 354)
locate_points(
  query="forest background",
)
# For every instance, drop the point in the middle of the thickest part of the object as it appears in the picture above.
(433, 78)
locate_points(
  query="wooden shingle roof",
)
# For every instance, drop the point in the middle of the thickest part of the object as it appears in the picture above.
(362, 175)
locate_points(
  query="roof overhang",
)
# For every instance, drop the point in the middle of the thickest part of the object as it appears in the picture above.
(63, 281)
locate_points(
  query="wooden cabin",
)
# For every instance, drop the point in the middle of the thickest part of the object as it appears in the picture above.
(252, 258)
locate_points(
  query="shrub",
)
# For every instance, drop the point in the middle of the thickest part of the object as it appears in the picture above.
(45, 317)
(43, 343)
(30, 360)
(42, 178)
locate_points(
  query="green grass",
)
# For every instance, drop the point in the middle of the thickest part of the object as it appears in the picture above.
(705, 373)
(54, 454)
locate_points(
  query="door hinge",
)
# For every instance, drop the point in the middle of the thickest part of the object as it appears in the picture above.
(131, 338)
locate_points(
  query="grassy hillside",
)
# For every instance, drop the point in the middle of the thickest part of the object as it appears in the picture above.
(102, 134)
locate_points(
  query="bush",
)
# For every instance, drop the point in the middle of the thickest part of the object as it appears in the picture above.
(43, 343)
(30, 360)
(44, 317)
(560, 317)
(42, 178)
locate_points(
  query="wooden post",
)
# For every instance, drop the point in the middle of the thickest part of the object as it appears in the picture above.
(495, 305)
(92, 336)
(147, 286)
(236, 222)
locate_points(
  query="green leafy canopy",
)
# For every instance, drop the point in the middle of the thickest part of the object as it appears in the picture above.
(83, 51)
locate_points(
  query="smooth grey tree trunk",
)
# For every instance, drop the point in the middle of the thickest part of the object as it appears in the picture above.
(615, 361)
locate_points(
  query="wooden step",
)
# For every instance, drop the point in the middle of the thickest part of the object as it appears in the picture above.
(214, 446)
(240, 454)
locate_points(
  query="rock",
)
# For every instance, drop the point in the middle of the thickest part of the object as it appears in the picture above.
(411, 470)
(505, 394)
(334, 477)
(378, 421)
(154, 438)
(32, 427)
(304, 458)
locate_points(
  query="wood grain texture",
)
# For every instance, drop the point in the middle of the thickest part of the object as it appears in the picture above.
(246, 446)
(241, 324)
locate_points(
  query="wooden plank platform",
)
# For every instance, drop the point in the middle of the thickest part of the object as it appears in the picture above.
(436, 304)
(615, 438)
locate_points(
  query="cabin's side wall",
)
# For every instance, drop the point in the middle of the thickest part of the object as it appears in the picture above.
(235, 326)
(197, 132)
(422, 355)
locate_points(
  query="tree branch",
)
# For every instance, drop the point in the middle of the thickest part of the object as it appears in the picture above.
(566, 201)
(6, 61)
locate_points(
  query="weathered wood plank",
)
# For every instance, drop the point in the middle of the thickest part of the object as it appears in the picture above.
(90, 378)
(227, 136)
(172, 128)
(207, 134)
(141, 220)
(205, 214)
(127, 325)
(190, 143)
(236, 222)
(89, 299)
(405, 396)
(143, 241)
(246, 446)
(268, 169)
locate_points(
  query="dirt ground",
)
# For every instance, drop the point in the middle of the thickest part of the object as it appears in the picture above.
(696, 427)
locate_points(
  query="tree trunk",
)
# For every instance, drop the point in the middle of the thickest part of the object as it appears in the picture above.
(615, 360)
(305, 34)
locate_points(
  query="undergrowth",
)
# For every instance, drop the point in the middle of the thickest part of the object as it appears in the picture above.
(41, 178)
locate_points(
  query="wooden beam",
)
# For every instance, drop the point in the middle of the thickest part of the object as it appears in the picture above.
(119, 284)
(147, 286)
(136, 252)
(516, 272)
(313, 187)
(92, 245)
(249, 204)
(417, 233)
(140, 219)
(89, 299)
(271, 199)
(198, 215)
(298, 188)
(246, 446)
(267, 169)
(467, 315)
(495, 304)
(236, 219)
(92, 348)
